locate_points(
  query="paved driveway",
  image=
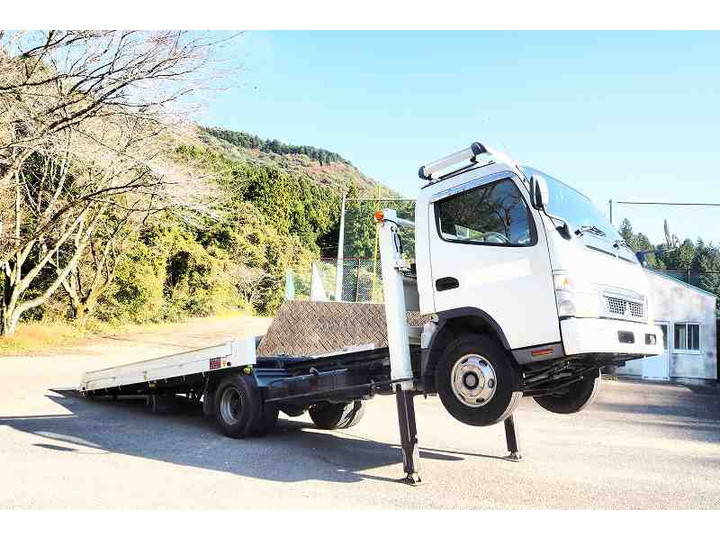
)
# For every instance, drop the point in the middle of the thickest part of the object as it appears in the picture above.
(638, 446)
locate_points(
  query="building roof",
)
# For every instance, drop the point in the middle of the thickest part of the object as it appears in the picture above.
(680, 281)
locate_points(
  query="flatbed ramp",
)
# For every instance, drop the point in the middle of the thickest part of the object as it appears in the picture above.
(223, 356)
(303, 328)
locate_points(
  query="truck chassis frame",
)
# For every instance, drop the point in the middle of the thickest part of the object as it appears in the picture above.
(300, 381)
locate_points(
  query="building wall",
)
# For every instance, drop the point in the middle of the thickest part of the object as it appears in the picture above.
(676, 302)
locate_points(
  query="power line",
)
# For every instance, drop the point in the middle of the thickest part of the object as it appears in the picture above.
(378, 200)
(666, 203)
(656, 203)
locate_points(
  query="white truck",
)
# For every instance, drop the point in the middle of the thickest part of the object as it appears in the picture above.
(523, 289)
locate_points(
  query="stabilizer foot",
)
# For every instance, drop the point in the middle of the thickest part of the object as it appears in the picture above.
(412, 479)
(511, 438)
(408, 435)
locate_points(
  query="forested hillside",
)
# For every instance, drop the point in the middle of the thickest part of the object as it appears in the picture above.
(257, 215)
(241, 139)
(113, 210)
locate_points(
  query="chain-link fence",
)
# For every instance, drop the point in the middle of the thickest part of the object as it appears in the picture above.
(361, 276)
(361, 281)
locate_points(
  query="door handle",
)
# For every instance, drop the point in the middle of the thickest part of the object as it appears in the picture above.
(446, 283)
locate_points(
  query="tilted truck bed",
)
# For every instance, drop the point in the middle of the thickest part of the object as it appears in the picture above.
(303, 334)
(218, 357)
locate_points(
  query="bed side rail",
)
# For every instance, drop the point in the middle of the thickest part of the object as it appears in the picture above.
(235, 353)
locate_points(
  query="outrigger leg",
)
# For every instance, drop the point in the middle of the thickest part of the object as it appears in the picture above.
(512, 439)
(408, 435)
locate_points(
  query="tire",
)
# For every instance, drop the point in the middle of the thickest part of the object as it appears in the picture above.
(477, 380)
(238, 406)
(575, 397)
(293, 410)
(266, 421)
(337, 415)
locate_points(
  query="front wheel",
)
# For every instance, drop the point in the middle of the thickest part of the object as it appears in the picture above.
(573, 398)
(477, 381)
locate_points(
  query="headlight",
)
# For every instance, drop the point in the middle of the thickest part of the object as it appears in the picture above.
(565, 303)
(564, 294)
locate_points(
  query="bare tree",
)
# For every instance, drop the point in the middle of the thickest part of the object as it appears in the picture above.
(82, 119)
(250, 283)
(88, 280)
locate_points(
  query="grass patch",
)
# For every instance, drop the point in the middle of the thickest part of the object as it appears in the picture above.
(39, 336)
(46, 336)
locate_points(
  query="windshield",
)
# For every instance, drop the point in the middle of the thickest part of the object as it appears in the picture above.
(575, 208)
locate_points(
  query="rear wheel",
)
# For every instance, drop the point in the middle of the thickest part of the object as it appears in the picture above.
(573, 398)
(477, 381)
(337, 415)
(238, 406)
(293, 410)
(266, 421)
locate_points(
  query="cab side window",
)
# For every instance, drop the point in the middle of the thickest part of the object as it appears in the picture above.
(495, 214)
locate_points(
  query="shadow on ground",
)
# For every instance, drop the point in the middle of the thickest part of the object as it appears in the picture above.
(295, 451)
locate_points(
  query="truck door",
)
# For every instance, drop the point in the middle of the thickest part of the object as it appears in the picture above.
(488, 250)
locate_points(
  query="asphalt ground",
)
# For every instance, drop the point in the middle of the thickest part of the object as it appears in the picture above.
(639, 446)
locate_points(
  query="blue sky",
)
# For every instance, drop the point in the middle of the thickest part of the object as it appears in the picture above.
(627, 116)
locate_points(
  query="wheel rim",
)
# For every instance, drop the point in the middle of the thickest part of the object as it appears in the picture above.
(230, 406)
(473, 380)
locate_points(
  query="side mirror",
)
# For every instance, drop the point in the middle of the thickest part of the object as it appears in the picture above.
(539, 192)
(539, 198)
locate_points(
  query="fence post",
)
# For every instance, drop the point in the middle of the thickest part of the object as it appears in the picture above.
(341, 253)
(357, 279)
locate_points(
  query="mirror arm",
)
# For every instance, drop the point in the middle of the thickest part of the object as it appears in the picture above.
(540, 204)
(561, 225)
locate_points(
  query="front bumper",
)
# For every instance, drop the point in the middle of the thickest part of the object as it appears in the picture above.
(582, 336)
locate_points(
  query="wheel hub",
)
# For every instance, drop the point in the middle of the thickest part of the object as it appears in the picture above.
(470, 380)
(473, 380)
(230, 404)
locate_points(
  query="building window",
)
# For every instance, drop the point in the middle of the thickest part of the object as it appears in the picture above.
(687, 337)
(494, 214)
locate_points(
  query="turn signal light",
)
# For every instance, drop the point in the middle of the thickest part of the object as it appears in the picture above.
(379, 215)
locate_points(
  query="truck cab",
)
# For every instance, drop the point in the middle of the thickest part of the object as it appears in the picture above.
(516, 264)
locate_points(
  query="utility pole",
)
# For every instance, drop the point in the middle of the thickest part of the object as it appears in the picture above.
(611, 217)
(340, 254)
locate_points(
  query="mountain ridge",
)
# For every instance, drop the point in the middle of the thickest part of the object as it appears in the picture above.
(323, 166)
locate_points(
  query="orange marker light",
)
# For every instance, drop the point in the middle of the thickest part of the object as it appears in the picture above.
(379, 216)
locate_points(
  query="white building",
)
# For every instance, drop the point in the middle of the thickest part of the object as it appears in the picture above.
(687, 316)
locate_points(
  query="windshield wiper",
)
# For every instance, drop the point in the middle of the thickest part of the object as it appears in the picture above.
(592, 229)
(620, 242)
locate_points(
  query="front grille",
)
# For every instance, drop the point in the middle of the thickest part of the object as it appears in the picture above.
(624, 308)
